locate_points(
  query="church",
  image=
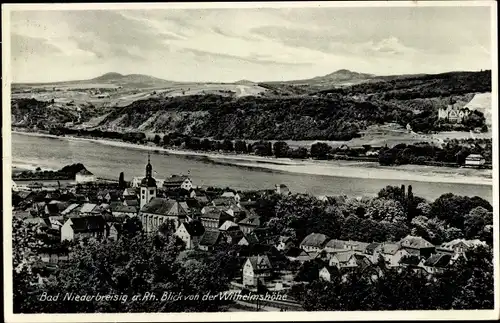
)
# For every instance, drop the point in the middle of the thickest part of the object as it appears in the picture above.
(154, 211)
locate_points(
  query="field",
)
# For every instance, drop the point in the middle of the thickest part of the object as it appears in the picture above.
(113, 95)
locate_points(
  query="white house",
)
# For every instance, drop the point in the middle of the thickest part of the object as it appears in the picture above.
(190, 233)
(474, 160)
(84, 176)
(178, 181)
(256, 268)
(88, 226)
(232, 195)
(345, 259)
(326, 273)
(314, 242)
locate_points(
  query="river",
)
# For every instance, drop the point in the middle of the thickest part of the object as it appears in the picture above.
(108, 161)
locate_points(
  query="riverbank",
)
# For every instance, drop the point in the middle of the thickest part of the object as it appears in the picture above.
(337, 168)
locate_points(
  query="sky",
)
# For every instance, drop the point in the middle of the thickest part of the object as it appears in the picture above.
(266, 44)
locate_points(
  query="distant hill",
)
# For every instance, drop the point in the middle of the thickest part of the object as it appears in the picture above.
(136, 80)
(244, 82)
(340, 76)
(112, 78)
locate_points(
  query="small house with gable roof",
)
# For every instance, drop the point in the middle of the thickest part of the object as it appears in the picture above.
(256, 268)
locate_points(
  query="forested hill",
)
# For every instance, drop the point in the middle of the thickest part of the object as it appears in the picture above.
(334, 114)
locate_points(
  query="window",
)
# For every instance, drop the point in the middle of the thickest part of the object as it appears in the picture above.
(151, 192)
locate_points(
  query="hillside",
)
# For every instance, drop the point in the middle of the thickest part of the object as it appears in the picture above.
(284, 111)
(340, 78)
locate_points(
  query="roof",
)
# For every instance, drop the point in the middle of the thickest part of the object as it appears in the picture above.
(235, 235)
(36, 220)
(194, 228)
(124, 209)
(70, 208)
(439, 260)
(88, 224)
(210, 238)
(228, 194)
(250, 221)
(201, 198)
(175, 179)
(410, 260)
(213, 214)
(130, 191)
(24, 194)
(84, 172)
(390, 248)
(346, 244)
(295, 252)
(88, 208)
(415, 243)
(314, 240)
(228, 224)
(468, 243)
(226, 201)
(131, 203)
(162, 206)
(344, 256)
(260, 262)
(370, 248)
(250, 238)
(473, 156)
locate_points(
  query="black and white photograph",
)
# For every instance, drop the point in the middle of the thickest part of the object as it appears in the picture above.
(216, 161)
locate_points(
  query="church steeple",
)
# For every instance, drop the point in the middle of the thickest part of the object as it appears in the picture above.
(148, 185)
(149, 168)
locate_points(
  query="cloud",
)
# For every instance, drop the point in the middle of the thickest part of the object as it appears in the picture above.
(22, 46)
(224, 44)
(254, 59)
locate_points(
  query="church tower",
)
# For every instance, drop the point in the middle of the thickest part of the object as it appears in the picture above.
(148, 185)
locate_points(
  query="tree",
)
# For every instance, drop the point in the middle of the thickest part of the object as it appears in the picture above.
(25, 246)
(320, 150)
(475, 224)
(453, 208)
(157, 139)
(205, 144)
(386, 156)
(470, 282)
(240, 146)
(387, 210)
(131, 227)
(121, 181)
(393, 193)
(227, 145)
(280, 149)
(299, 153)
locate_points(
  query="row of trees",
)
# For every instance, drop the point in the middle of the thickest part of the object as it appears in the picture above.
(453, 152)
(390, 216)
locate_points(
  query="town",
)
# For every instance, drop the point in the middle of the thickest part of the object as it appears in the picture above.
(279, 241)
